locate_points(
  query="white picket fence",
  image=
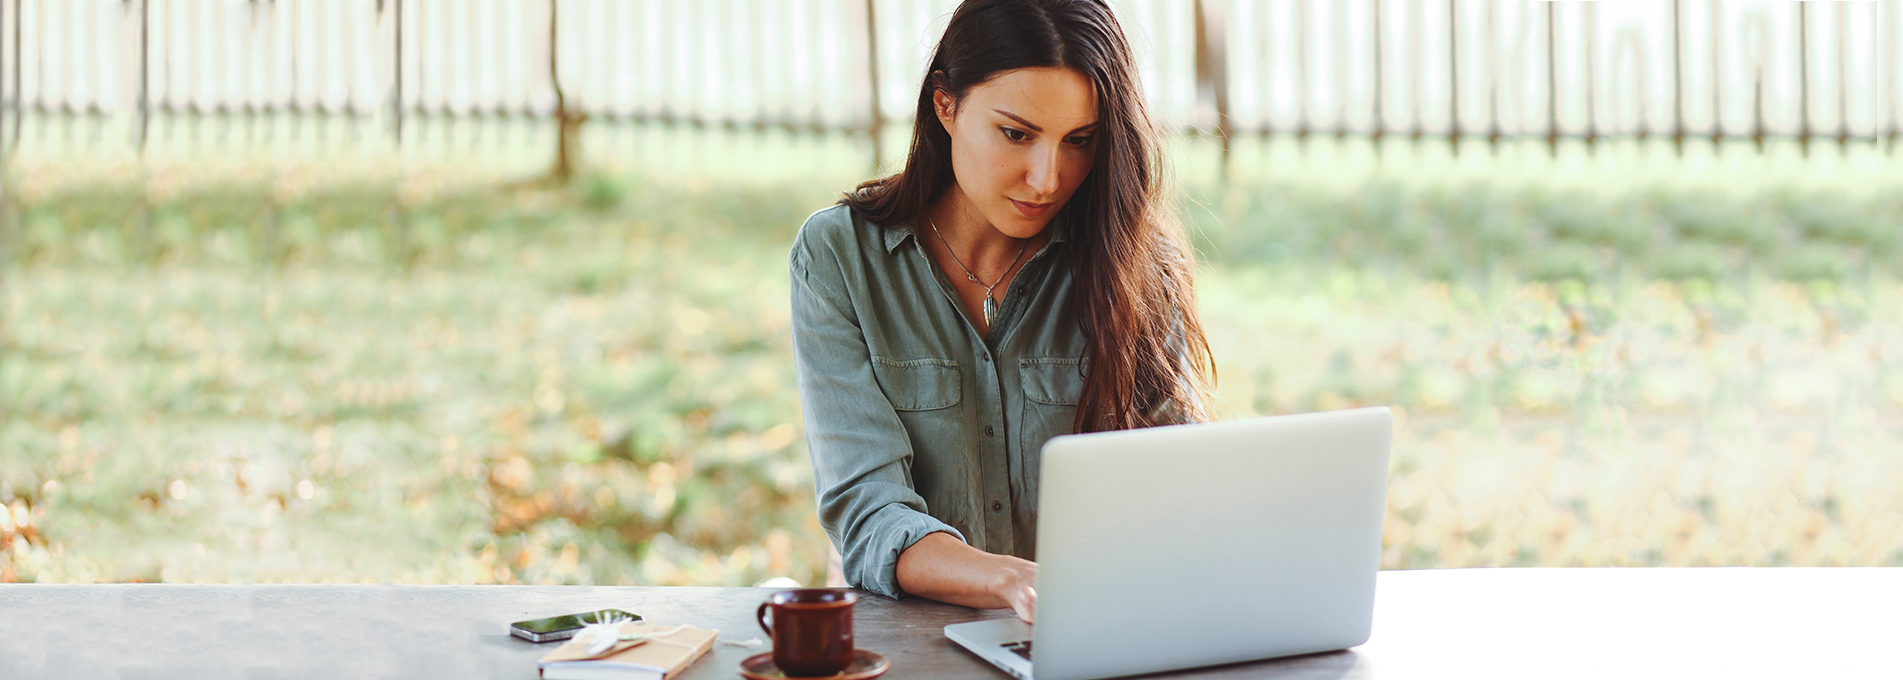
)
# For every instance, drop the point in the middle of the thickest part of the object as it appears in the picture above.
(1435, 67)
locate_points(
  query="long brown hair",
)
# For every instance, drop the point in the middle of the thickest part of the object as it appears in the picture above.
(1149, 362)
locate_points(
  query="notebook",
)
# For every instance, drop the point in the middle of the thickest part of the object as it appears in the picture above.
(1193, 545)
(663, 652)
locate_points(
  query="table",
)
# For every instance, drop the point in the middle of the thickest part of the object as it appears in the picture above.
(1465, 623)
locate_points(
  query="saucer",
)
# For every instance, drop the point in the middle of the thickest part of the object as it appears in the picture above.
(865, 664)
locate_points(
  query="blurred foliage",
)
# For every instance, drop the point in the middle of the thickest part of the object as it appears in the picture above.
(297, 376)
(391, 378)
(1671, 377)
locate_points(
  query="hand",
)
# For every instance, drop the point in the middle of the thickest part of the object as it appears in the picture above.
(1015, 585)
(943, 568)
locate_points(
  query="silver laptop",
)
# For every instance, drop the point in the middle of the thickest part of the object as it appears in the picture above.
(1194, 545)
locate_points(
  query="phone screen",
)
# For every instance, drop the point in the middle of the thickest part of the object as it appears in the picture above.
(566, 622)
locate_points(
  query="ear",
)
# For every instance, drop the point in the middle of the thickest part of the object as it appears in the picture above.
(945, 107)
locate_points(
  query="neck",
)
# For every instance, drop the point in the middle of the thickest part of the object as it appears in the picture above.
(967, 231)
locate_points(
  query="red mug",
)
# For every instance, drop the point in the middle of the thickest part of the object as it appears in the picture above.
(811, 629)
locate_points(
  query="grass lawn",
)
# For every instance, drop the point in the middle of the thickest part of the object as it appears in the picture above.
(413, 379)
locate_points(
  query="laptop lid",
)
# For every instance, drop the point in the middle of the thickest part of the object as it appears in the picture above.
(1194, 545)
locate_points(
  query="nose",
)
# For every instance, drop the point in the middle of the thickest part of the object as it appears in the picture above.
(1043, 172)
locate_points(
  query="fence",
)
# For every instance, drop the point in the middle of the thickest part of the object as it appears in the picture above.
(1445, 69)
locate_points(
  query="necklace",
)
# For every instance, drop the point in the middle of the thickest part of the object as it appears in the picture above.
(991, 304)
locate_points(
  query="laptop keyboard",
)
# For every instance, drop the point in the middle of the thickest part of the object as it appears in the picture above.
(1022, 647)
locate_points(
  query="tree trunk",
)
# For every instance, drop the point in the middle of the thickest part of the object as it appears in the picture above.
(568, 123)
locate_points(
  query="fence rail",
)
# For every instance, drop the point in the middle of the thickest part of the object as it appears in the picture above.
(1443, 69)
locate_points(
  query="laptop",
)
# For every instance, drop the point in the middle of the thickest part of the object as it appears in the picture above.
(1195, 545)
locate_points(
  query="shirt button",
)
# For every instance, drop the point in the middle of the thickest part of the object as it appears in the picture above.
(997, 506)
(987, 430)
(984, 358)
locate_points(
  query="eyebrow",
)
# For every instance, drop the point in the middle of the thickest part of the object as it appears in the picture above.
(1033, 126)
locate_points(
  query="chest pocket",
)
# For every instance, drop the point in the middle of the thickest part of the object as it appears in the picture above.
(1052, 388)
(1054, 381)
(918, 384)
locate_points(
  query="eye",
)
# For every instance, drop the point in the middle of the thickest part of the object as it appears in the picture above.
(1014, 134)
(1080, 140)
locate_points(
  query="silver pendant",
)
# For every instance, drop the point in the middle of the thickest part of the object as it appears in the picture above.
(991, 310)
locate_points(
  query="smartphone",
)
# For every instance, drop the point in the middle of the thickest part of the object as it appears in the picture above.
(560, 627)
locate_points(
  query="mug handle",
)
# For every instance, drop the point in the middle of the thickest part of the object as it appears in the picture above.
(761, 617)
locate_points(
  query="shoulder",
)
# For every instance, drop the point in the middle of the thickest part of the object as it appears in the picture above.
(834, 234)
(831, 224)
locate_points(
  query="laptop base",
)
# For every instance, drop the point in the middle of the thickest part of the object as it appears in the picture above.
(994, 640)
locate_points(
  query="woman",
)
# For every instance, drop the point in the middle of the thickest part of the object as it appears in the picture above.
(1020, 278)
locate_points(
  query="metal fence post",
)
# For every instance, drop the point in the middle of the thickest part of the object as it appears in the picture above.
(875, 126)
(19, 86)
(6, 156)
(1415, 10)
(1338, 60)
(1717, 85)
(6, 149)
(145, 73)
(1843, 81)
(1678, 77)
(1757, 86)
(1453, 76)
(396, 67)
(1302, 119)
(1552, 82)
(1803, 77)
(1493, 78)
(1890, 23)
(1380, 118)
(1592, 78)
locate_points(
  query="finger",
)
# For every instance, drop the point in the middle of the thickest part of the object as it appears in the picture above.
(1026, 611)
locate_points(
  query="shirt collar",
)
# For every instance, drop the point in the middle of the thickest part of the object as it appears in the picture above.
(897, 233)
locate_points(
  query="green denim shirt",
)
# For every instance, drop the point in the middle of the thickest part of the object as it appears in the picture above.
(916, 423)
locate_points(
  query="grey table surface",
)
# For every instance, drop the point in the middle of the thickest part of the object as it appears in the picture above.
(1463, 623)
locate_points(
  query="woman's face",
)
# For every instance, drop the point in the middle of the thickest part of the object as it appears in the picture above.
(1021, 144)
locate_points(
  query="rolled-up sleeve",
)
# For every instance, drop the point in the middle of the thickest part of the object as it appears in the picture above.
(862, 457)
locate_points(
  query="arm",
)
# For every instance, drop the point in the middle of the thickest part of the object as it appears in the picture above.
(862, 457)
(944, 568)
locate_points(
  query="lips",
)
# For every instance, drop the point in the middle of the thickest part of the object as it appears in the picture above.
(1030, 209)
